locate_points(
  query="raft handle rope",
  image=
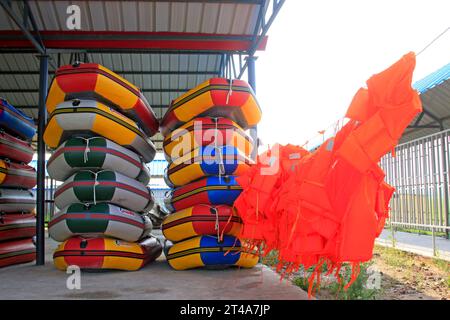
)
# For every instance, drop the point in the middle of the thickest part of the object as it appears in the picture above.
(216, 225)
(218, 150)
(230, 79)
(96, 183)
(87, 149)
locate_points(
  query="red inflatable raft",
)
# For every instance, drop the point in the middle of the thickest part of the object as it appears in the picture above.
(93, 81)
(217, 97)
(18, 251)
(212, 190)
(17, 226)
(106, 253)
(14, 148)
(200, 220)
(16, 175)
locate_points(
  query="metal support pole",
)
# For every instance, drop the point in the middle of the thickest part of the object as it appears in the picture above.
(393, 235)
(40, 199)
(433, 241)
(444, 141)
(252, 82)
(222, 65)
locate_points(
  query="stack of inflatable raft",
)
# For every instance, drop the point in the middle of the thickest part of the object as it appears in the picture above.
(17, 178)
(206, 146)
(100, 127)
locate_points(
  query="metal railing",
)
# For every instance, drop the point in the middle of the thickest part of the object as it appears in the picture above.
(420, 173)
(393, 225)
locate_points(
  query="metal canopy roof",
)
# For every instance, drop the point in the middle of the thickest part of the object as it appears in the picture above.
(217, 17)
(434, 92)
(163, 47)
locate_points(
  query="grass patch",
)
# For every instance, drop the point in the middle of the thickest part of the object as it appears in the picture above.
(403, 275)
(271, 259)
(444, 266)
(301, 282)
(395, 258)
(361, 289)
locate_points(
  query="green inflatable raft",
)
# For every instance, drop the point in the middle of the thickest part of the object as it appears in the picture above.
(96, 153)
(104, 186)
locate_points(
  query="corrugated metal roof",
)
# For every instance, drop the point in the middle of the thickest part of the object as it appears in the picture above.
(146, 16)
(434, 92)
(433, 79)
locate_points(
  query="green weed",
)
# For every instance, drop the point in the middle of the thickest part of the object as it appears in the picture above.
(359, 290)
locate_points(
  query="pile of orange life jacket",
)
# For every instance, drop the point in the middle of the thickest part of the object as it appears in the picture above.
(329, 205)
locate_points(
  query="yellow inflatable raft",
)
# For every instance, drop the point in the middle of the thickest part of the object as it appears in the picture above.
(89, 117)
(217, 97)
(201, 132)
(106, 253)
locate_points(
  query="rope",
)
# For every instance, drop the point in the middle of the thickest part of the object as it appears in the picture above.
(96, 183)
(87, 149)
(337, 124)
(216, 225)
(218, 151)
(334, 127)
(433, 41)
(230, 89)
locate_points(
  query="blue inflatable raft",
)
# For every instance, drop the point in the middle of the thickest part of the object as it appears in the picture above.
(16, 122)
(208, 251)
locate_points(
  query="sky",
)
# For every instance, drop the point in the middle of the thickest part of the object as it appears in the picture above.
(321, 51)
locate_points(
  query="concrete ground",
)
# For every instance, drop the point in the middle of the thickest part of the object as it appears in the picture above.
(416, 243)
(155, 281)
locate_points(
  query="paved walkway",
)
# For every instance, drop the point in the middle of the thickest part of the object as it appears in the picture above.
(155, 281)
(416, 243)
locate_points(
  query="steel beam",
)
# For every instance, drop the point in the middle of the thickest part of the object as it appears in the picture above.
(36, 90)
(116, 51)
(127, 73)
(419, 118)
(20, 23)
(107, 41)
(425, 126)
(264, 28)
(434, 117)
(40, 197)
